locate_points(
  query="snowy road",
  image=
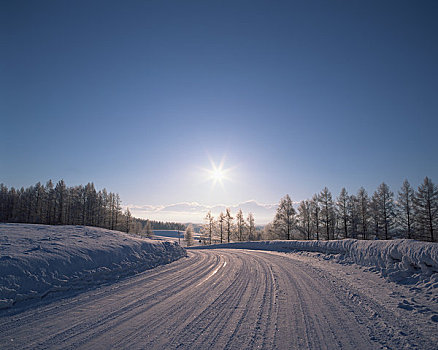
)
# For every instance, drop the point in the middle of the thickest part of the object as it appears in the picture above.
(231, 299)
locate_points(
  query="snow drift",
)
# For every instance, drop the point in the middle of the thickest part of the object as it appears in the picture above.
(400, 260)
(36, 260)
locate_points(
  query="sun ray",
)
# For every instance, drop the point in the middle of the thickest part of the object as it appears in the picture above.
(217, 174)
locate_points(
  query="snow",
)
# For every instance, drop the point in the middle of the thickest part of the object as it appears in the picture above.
(233, 299)
(169, 233)
(36, 260)
(270, 295)
(403, 261)
(176, 236)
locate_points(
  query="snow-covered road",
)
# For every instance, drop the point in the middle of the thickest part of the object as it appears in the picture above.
(233, 299)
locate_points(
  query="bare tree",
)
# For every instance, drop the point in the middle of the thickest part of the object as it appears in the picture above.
(251, 227)
(315, 210)
(305, 218)
(405, 208)
(426, 206)
(210, 224)
(221, 219)
(375, 214)
(149, 231)
(4, 201)
(117, 210)
(50, 205)
(342, 209)
(240, 222)
(285, 218)
(269, 231)
(385, 207)
(60, 205)
(188, 235)
(229, 223)
(327, 210)
(363, 204)
(128, 220)
(353, 215)
(60, 194)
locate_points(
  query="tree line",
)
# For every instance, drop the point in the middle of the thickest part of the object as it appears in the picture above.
(226, 228)
(412, 214)
(78, 205)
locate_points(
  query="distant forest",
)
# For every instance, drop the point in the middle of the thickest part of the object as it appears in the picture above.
(79, 205)
(411, 214)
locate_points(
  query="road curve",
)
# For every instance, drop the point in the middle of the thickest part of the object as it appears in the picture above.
(214, 299)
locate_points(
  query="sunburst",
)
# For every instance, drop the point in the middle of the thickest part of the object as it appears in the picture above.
(218, 173)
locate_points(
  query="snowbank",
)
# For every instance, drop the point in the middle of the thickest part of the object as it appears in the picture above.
(400, 260)
(36, 260)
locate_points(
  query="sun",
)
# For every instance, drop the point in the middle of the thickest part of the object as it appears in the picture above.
(217, 173)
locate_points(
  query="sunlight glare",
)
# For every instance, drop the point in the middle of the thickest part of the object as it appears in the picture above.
(217, 173)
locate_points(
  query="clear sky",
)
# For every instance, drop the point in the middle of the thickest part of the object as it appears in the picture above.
(140, 96)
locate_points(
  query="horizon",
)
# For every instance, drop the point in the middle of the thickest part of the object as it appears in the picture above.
(218, 104)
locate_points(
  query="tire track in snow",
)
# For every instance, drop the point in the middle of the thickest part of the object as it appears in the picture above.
(179, 309)
(213, 316)
(363, 317)
(85, 303)
(233, 299)
(53, 308)
(124, 314)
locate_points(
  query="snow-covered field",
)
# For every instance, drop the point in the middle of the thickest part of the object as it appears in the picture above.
(176, 236)
(36, 260)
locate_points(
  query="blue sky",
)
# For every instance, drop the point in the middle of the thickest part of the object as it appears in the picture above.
(138, 96)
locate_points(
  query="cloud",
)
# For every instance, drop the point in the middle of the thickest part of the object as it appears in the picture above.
(195, 212)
